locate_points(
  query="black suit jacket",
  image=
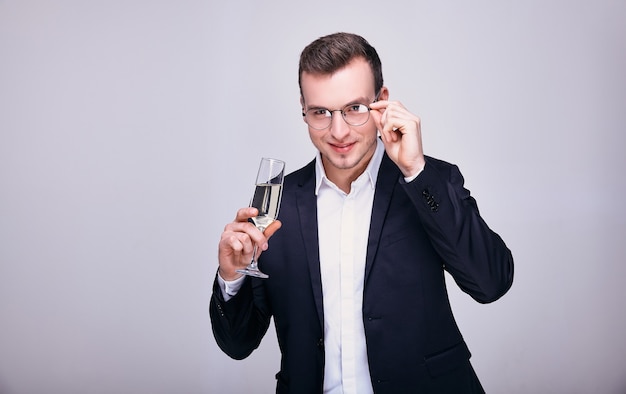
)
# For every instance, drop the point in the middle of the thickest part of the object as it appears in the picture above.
(417, 230)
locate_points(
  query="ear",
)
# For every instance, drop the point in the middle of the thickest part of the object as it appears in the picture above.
(384, 94)
(302, 105)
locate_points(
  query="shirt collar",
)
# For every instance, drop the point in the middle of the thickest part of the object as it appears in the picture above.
(371, 172)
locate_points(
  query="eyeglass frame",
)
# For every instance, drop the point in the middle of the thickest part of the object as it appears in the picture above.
(343, 116)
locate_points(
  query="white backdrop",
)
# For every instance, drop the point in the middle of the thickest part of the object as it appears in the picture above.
(130, 132)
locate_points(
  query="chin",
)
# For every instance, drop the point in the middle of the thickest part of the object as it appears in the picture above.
(344, 163)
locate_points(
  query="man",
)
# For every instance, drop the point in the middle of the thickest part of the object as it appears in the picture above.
(356, 264)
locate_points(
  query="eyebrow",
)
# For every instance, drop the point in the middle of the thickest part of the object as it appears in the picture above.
(360, 100)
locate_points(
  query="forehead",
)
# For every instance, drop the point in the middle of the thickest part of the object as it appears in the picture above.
(352, 82)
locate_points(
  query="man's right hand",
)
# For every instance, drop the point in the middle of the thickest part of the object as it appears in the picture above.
(238, 240)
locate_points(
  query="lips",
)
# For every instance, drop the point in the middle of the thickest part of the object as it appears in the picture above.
(342, 148)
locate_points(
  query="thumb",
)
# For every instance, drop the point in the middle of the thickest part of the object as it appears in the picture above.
(272, 228)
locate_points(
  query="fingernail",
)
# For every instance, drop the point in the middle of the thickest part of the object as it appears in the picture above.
(265, 246)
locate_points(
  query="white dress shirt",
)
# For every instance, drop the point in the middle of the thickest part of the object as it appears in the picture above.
(343, 229)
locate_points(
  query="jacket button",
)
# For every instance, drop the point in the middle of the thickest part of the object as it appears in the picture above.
(320, 343)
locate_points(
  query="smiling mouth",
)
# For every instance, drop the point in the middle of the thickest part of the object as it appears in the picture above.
(341, 148)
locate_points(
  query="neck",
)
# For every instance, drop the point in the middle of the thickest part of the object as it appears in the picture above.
(343, 177)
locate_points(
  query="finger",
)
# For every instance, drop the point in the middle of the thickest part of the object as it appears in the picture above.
(247, 234)
(396, 118)
(262, 241)
(235, 251)
(390, 135)
(241, 227)
(379, 105)
(238, 242)
(272, 228)
(243, 214)
(389, 130)
(377, 110)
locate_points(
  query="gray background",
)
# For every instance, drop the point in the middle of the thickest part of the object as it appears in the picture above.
(130, 132)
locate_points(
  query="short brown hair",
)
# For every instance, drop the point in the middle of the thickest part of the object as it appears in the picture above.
(332, 52)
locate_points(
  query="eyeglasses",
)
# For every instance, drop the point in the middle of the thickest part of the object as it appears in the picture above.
(353, 114)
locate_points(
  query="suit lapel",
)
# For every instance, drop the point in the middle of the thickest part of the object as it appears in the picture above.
(388, 176)
(306, 202)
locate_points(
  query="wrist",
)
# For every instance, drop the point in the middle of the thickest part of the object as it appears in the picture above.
(228, 276)
(413, 171)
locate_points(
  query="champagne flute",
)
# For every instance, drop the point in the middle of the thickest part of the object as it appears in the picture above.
(267, 193)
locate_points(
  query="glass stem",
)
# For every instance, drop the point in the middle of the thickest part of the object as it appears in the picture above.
(253, 262)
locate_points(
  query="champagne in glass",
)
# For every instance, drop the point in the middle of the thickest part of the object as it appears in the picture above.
(267, 193)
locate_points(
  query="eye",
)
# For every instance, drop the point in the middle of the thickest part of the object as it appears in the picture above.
(356, 108)
(319, 112)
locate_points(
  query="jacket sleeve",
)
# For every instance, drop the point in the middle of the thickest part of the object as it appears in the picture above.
(475, 256)
(240, 323)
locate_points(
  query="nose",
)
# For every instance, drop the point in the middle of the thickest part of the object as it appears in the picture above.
(339, 129)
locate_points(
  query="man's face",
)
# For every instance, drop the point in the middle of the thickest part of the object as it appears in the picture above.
(345, 149)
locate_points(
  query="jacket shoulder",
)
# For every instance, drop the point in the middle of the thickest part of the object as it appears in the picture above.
(300, 176)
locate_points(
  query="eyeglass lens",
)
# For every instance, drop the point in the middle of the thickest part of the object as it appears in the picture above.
(353, 114)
